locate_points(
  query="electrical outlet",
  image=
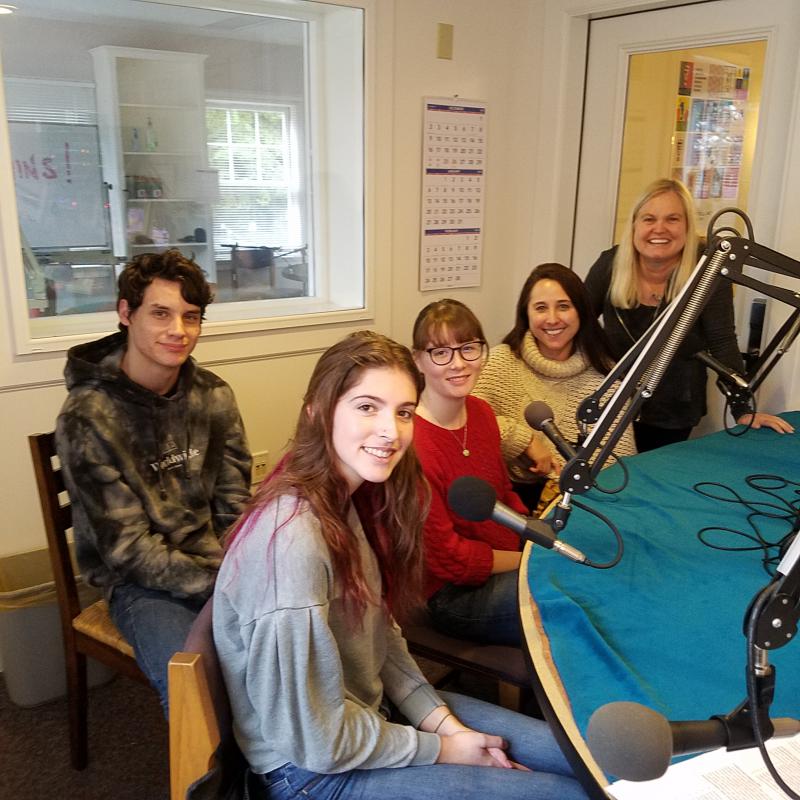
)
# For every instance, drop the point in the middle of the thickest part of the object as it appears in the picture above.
(260, 466)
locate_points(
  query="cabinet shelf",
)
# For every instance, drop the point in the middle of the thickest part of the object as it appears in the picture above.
(165, 200)
(163, 94)
(159, 107)
(157, 153)
(167, 244)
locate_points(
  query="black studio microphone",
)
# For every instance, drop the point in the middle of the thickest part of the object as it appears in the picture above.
(539, 416)
(726, 373)
(633, 742)
(475, 500)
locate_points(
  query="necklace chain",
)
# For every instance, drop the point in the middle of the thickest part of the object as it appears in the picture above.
(656, 311)
(462, 442)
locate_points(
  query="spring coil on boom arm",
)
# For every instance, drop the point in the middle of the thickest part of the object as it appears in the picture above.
(688, 317)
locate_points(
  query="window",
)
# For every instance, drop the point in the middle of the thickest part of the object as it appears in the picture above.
(234, 136)
(251, 148)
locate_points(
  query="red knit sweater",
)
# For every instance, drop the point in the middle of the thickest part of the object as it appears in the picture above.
(458, 551)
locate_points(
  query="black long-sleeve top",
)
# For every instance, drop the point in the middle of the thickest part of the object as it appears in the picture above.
(679, 400)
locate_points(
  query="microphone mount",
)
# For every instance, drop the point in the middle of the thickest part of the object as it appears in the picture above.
(641, 369)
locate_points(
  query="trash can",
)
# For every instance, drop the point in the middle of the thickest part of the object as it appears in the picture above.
(31, 643)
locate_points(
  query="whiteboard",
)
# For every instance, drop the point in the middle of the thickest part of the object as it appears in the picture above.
(59, 185)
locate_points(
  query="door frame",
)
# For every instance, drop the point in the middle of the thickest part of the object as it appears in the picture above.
(565, 44)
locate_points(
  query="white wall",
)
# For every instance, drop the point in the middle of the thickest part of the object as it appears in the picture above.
(496, 58)
(525, 58)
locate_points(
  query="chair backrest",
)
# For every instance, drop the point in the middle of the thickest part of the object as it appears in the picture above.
(193, 727)
(201, 640)
(57, 515)
(203, 753)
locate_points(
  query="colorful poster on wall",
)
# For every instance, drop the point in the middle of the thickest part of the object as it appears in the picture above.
(709, 132)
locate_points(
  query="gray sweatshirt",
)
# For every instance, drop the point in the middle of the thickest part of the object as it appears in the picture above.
(306, 685)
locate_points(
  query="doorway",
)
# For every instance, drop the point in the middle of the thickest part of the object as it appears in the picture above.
(639, 57)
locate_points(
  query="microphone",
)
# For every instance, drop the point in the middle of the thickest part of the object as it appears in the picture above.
(475, 500)
(539, 416)
(726, 373)
(633, 742)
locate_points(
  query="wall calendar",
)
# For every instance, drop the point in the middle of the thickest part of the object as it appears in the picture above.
(453, 188)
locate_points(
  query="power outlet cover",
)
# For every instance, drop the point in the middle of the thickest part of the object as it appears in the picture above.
(260, 466)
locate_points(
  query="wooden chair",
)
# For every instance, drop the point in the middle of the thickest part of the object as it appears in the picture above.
(204, 760)
(193, 725)
(504, 664)
(88, 632)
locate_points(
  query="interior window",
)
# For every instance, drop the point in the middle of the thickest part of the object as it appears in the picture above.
(148, 126)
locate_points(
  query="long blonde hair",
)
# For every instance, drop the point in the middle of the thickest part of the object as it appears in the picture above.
(623, 291)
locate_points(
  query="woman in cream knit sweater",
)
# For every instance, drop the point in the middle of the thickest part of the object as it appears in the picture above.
(555, 352)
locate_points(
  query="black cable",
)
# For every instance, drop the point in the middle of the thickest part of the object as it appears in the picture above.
(781, 509)
(756, 609)
(625, 477)
(614, 530)
(747, 425)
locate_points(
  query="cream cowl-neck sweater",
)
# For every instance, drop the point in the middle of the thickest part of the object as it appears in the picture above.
(509, 384)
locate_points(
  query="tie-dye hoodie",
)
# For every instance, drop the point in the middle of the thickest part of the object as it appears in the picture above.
(153, 480)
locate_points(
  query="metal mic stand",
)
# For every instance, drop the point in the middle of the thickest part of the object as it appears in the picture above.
(770, 623)
(640, 370)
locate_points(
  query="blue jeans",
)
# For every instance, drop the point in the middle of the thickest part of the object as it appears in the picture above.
(156, 625)
(530, 743)
(487, 613)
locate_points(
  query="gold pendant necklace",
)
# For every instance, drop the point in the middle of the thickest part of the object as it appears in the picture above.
(463, 442)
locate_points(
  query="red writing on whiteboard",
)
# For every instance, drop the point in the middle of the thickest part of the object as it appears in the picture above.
(35, 169)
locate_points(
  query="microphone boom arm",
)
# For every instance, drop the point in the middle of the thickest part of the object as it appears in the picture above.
(641, 369)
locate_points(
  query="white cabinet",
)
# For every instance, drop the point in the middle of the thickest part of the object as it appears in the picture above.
(151, 107)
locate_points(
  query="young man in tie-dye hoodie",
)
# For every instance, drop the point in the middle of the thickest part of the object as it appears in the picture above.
(155, 459)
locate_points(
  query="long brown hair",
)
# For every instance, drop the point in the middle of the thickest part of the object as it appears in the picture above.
(589, 340)
(392, 512)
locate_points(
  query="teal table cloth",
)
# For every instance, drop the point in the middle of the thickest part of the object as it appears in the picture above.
(664, 627)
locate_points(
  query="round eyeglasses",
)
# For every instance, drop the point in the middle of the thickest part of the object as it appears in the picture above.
(442, 356)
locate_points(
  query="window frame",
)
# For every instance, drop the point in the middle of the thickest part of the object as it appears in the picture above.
(317, 312)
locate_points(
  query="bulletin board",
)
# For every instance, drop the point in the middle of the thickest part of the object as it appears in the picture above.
(61, 197)
(453, 183)
(708, 140)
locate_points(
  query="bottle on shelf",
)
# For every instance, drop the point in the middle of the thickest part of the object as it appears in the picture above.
(135, 143)
(151, 142)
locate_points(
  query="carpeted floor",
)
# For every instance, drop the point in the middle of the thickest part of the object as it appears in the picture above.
(128, 743)
(128, 748)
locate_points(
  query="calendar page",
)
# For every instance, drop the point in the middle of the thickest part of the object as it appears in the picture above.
(453, 172)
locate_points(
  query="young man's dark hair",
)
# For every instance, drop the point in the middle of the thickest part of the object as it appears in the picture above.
(171, 265)
(155, 460)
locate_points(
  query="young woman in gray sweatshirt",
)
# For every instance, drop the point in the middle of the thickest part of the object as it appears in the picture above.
(327, 702)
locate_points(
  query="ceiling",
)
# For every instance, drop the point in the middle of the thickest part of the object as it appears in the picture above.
(250, 20)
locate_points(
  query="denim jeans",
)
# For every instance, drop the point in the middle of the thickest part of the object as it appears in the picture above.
(487, 613)
(156, 625)
(530, 743)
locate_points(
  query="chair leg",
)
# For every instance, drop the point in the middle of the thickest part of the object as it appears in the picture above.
(509, 695)
(77, 700)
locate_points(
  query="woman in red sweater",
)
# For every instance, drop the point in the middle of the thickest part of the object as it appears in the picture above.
(471, 567)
